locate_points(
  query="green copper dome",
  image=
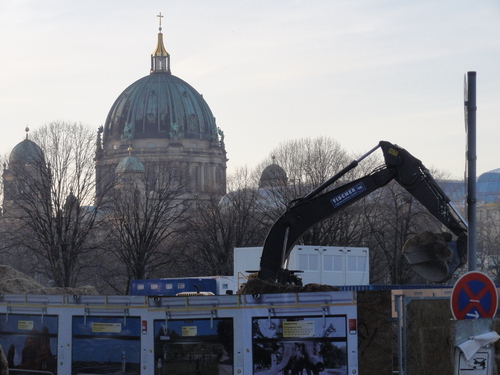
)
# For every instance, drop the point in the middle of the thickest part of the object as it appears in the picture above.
(26, 152)
(130, 164)
(160, 105)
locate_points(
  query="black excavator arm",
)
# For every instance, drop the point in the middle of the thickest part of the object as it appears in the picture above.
(427, 259)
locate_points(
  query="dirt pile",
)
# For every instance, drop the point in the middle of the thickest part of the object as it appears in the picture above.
(15, 282)
(258, 286)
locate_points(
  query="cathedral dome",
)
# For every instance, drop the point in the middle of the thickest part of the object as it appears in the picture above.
(168, 124)
(160, 105)
(26, 152)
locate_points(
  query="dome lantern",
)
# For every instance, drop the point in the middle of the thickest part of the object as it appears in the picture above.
(160, 58)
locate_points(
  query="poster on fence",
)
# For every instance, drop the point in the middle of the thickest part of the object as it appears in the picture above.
(194, 346)
(108, 345)
(316, 344)
(29, 341)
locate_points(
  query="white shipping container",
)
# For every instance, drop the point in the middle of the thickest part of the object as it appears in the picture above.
(330, 265)
(226, 285)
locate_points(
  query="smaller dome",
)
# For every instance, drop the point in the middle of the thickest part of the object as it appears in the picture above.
(26, 152)
(488, 187)
(273, 175)
(130, 164)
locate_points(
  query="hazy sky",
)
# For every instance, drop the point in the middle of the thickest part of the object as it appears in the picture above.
(358, 71)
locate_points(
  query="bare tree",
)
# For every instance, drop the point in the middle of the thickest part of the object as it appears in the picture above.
(48, 197)
(393, 216)
(4, 161)
(216, 226)
(488, 239)
(256, 200)
(144, 212)
(308, 163)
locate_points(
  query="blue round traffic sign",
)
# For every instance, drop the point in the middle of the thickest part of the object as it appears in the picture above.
(474, 296)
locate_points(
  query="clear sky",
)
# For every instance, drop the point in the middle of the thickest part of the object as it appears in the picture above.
(358, 71)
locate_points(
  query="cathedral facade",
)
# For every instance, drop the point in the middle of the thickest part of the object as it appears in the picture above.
(158, 125)
(164, 123)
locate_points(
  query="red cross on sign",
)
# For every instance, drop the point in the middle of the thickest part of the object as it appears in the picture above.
(474, 296)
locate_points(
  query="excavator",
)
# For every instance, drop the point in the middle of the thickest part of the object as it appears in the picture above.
(433, 256)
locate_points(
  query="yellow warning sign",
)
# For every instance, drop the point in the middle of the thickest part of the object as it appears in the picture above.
(106, 327)
(189, 331)
(302, 328)
(25, 325)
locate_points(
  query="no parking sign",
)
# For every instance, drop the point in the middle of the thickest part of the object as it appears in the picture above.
(474, 296)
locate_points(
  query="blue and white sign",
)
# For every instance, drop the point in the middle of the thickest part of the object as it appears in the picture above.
(348, 194)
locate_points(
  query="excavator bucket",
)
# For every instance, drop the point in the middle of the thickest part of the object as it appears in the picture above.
(433, 255)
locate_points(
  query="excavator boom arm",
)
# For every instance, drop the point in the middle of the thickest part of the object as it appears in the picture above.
(303, 213)
(298, 219)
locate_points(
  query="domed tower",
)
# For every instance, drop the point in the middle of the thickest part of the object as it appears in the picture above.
(166, 122)
(130, 172)
(273, 176)
(26, 178)
(488, 187)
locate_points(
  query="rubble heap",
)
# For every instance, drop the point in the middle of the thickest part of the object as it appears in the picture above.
(258, 286)
(15, 282)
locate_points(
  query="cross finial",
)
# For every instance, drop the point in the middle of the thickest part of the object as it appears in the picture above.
(159, 17)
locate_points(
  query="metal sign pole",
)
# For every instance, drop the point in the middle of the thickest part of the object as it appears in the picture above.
(470, 105)
(474, 352)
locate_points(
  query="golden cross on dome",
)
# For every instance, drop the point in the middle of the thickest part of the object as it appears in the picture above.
(160, 17)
